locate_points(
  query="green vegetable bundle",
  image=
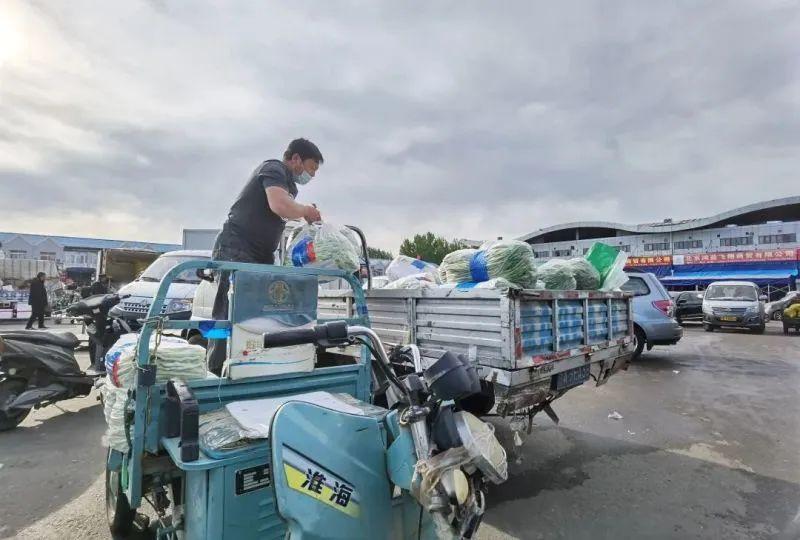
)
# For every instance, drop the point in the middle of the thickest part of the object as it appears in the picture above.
(322, 245)
(507, 259)
(557, 275)
(587, 277)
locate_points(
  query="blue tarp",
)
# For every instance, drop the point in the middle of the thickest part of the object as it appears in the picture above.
(763, 276)
(659, 271)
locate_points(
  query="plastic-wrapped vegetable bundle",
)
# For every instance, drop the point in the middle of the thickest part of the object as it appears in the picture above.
(115, 401)
(402, 266)
(352, 237)
(416, 281)
(587, 278)
(322, 245)
(219, 430)
(496, 283)
(175, 358)
(609, 263)
(557, 275)
(508, 259)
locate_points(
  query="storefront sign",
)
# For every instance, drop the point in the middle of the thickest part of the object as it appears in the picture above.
(658, 260)
(741, 256)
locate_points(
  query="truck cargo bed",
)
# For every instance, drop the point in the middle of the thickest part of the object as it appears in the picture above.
(519, 339)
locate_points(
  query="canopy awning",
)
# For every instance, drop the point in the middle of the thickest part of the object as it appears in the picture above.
(773, 276)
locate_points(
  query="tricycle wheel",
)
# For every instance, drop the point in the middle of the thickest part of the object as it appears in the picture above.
(118, 509)
(9, 390)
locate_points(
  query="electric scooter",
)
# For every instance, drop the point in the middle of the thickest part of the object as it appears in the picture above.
(39, 368)
(104, 329)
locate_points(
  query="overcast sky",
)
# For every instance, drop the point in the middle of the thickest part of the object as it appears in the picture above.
(470, 119)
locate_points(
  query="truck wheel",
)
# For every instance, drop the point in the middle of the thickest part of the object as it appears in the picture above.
(118, 511)
(9, 390)
(759, 329)
(639, 341)
(198, 339)
(708, 328)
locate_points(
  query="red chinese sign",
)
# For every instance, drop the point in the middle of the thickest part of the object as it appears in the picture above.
(658, 260)
(742, 256)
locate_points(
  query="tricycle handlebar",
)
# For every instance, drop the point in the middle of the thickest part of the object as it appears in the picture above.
(329, 334)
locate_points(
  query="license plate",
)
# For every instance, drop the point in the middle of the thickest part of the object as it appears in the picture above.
(571, 377)
(729, 318)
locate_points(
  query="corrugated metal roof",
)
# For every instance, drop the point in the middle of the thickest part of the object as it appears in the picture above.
(668, 225)
(89, 243)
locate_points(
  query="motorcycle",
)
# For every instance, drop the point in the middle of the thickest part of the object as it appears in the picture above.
(104, 329)
(39, 368)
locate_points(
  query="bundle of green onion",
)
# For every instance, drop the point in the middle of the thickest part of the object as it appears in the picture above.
(507, 259)
(557, 275)
(587, 277)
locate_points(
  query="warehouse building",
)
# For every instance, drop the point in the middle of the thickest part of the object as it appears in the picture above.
(756, 243)
(68, 251)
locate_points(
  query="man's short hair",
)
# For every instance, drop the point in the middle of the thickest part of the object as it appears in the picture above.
(305, 149)
(41, 275)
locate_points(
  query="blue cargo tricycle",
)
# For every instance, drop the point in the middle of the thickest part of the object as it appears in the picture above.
(367, 446)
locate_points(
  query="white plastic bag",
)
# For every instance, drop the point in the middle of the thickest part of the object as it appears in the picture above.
(497, 283)
(175, 359)
(219, 430)
(415, 281)
(404, 266)
(115, 401)
(322, 245)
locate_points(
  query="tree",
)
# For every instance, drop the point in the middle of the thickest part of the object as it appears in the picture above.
(378, 253)
(428, 247)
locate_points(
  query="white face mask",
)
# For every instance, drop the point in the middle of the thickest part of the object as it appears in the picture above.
(303, 178)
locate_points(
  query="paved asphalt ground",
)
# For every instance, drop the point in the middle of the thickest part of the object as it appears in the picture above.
(707, 448)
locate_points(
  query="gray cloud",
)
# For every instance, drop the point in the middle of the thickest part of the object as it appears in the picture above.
(135, 119)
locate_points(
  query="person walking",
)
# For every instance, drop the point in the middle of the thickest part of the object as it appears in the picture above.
(256, 220)
(37, 299)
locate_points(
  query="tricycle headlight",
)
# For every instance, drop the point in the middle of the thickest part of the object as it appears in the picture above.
(179, 305)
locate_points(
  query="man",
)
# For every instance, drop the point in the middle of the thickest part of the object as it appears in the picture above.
(256, 220)
(37, 299)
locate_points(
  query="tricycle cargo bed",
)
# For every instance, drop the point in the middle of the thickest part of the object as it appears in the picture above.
(515, 337)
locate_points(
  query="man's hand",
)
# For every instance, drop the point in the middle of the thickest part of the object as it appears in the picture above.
(282, 204)
(311, 214)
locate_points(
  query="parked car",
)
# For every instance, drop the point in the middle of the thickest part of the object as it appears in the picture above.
(180, 296)
(791, 319)
(774, 310)
(653, 310)
(689, 306)
(735, 304)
